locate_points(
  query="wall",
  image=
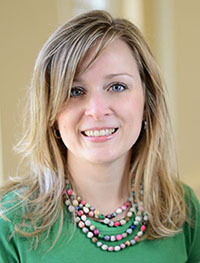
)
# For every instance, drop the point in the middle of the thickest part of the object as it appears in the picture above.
(187, 34)
(24, 26)
(171, 28)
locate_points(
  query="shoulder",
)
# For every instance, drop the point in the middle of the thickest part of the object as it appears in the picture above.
(11, 213)
(190, 195)
(11, 206)
(192, 225)
(9, 216)
(192, 206)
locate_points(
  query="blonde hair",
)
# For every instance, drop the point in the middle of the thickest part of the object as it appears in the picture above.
(152, 157)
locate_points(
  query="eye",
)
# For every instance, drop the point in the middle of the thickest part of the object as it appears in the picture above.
(117, 87)
(77, 92)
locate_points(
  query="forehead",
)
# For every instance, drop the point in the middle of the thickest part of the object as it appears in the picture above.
(116, 57)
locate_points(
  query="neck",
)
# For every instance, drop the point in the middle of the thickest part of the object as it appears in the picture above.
(104, 186)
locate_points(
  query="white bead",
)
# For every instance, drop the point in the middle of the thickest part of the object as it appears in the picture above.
(132, 209)
(71, 208)
(140, 233)
(136, 223)
(92, 227)
(146, 218)
(75, 203)
(84, 218)
(90, 235)
(85, 229)
(129, 214)
(122, 246)
(133, 242)
(117, 248)
(122, 222)
(87, 205)
(124, 235)
(138, 218)
(112, 238)
(130, 200)
(80, 205)
(86, 209)
(104, 247)
(111, 223)
(67, 202)
(129, 231)
(77, 219)
(106, 221)
(99, 244)
(119, 211)
(87, 223)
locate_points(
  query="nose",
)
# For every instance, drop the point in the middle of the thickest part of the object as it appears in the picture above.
(98, 106)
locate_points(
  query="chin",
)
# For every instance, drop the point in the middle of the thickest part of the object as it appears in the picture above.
(100, 161)
(103, 158)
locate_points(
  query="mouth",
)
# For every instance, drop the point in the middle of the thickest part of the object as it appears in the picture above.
(99, 132)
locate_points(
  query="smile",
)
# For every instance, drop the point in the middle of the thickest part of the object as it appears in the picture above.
(99, 133)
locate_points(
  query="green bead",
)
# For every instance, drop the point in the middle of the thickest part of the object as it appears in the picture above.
(87, 205)
(101, 216)
(101, 236)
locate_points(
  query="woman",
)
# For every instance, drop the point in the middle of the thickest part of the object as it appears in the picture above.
(102, 177)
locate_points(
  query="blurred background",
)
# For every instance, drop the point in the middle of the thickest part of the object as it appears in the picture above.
(171, 27)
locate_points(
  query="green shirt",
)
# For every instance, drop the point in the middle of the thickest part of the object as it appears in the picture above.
(182, 247)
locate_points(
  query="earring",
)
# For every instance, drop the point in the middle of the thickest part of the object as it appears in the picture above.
(56, 134)
(144, 125)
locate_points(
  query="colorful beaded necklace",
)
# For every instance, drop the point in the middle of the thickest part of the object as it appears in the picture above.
(85, 213)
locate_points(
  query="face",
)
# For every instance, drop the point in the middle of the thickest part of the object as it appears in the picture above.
(103, 117)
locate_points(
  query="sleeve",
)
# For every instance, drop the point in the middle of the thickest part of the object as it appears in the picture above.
(8, 250)
(192, 227)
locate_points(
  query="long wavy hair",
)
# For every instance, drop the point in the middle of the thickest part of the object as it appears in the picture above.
(44, 155)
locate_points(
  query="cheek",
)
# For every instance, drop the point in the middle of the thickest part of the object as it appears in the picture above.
(67, 125)
(133, 108)
(63, 124)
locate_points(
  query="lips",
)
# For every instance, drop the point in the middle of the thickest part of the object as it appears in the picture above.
(99, 132)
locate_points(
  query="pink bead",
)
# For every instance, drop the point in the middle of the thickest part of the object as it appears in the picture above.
(91, 214)
(81, 224)
(118, 237)
(122, 246)
(123, 207)
(63, 192)
(96, 232)
(83, 202)
(136, 238)
(80, 212)
(127, 204)
(143, 228)
(117, 223)
(69, 192)
(140, 208)
(110, 248)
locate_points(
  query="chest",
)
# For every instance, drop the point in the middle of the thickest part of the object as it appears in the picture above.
(80, 249)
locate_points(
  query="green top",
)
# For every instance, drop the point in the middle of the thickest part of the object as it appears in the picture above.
(182, 247)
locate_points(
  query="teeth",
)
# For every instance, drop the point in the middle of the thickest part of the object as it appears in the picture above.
(97, 133)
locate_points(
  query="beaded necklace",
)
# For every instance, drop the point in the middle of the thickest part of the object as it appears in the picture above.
(85, 214)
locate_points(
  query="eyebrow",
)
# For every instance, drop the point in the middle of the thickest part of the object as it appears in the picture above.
(118, 74)
(109, 76)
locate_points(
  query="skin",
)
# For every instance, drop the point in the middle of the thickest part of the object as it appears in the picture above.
(108, 94)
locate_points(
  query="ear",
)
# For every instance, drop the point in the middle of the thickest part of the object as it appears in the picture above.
(144, 113)
(55, 125)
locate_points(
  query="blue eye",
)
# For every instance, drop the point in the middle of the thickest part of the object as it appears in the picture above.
(76, 92)
(117, 87)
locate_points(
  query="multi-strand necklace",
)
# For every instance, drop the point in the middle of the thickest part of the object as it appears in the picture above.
(135, 218)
